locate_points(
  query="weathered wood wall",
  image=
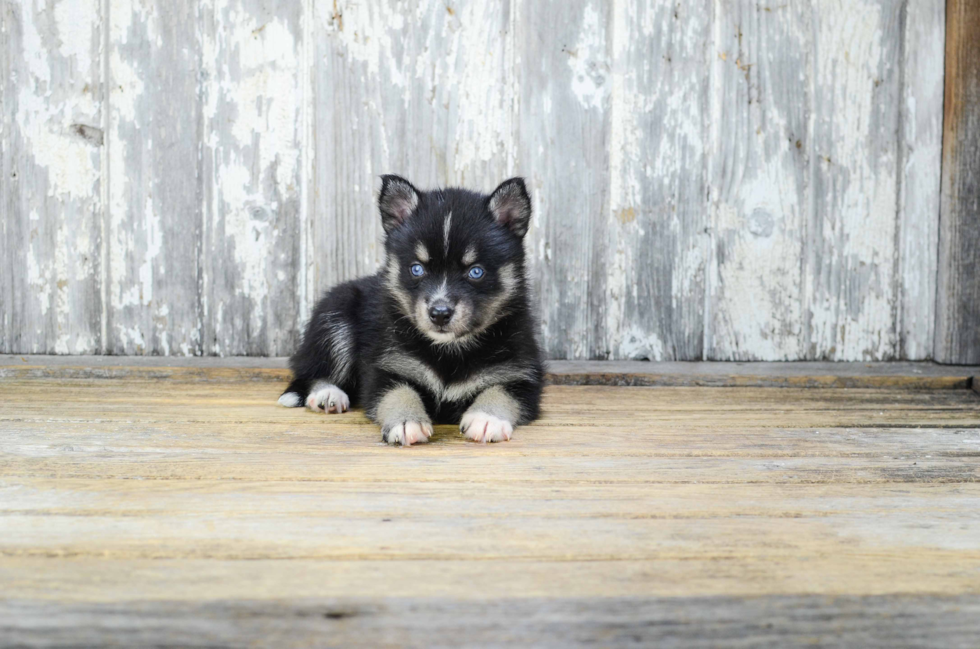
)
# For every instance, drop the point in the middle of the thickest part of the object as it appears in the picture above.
(720, 179)
(958, 309)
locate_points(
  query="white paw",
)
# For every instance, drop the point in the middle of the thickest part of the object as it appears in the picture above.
(289, 400)
(481, 427)
(326, 397)
(406, 433)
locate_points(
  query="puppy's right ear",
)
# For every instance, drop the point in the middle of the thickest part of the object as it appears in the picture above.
(397, 201)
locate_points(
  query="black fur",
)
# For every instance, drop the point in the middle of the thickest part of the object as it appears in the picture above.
(372, 318)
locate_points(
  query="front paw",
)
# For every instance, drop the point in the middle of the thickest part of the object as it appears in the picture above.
(482, 427)
(406, 433)
(326, 397)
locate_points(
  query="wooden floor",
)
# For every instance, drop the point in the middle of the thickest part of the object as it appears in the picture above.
(195, 512)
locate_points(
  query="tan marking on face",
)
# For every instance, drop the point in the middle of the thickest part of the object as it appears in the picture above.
(395, 288)
(422, 253)
(470, 256)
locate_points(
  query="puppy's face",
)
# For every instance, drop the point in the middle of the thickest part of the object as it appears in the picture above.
(455, 259)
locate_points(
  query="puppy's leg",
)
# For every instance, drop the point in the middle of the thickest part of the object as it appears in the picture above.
(402, 416)
(323, 365)
(491, 417)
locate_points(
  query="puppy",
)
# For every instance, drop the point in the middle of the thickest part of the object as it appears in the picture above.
(443, 333)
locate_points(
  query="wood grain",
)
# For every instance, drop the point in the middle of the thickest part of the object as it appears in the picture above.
(851, 288)
(564, 84)
(252, 274)
(958, 302)
(760, 112)
(657, 225)
(132, 509)
(817, 374)
(712, 181)
(920, 153)
(51, 187)
(156, 181)
(773, 622)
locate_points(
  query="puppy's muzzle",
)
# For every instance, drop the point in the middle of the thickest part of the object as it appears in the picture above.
(440, 313)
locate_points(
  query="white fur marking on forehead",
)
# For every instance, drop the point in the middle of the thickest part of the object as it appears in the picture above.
(442, 293)
(445, 232)
(421, 252)
(469, 256)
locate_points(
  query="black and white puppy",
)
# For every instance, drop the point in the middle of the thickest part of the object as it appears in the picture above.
(443, 333)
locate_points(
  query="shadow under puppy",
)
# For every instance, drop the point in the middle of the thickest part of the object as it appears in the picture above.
(443, 333)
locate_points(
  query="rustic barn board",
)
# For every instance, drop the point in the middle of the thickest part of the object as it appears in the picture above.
(231, 431)
(892, 374)
(852, 233)
(203, 514)
(426, 92)
(958, 303)
(712, 180)
(758, 175)
(155, 184)
(252, 273)
(50, 193)
(873, 622)
(564, 83)
(653, 268)
(920, 154)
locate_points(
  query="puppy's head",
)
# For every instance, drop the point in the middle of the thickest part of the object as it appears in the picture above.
(455, 258)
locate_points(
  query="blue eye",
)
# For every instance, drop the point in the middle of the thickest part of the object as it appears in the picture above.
(417, 270)
(476, 272)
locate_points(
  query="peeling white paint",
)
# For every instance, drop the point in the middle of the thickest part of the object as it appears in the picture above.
(589, 61)
(437, 91)
(852, 312)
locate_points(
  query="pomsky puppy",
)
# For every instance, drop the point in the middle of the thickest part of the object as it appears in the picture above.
(443, 333)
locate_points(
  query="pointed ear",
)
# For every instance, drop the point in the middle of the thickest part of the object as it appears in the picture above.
(397, 201)
(511, 206)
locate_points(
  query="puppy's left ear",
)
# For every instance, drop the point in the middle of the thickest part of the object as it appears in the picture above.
(511, 206)
(397, 201)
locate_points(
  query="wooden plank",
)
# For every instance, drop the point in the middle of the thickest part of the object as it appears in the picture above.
(876, 622)
(144, 506)
(235, 432)
(199, 499)
(852, 233)
(335, 536)
(958, 302)
(472, 582)
(155, 189)
(893, 374)
(758, 176)
(191, 520)
(254, 231)
(564, 83)
(425, 92)
(670, 439)
(6, 289)
(920, 159)
(50, 288)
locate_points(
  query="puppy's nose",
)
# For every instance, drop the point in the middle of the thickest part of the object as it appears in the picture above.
(440, 313)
